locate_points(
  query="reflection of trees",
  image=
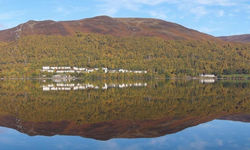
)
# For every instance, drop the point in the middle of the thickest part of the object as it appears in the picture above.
(26, 101)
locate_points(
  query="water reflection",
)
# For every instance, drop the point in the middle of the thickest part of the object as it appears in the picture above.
(84, 86)
(216, 134)
(207, 80)
(146, 109)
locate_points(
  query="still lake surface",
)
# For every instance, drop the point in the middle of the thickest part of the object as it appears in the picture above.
(124, 115)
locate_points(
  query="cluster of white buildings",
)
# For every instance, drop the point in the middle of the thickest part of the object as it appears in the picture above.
(87, 70)
(207, 76)
(72, 86)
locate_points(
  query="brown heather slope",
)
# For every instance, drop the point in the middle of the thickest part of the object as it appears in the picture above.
(121, 27)
(114, 129)
(245, 38)
(237, 117)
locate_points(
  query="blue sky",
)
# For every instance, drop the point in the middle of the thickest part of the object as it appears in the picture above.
(216, 17)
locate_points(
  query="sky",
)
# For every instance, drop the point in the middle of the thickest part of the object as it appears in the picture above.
(215, 17)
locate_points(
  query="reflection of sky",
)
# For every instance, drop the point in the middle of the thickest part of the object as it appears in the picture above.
(213, 135)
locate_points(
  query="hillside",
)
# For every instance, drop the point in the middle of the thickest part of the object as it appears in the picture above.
(121, 27)
(245, 38)
(163, 49)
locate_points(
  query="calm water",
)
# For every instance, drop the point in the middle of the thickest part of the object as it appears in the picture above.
(124, 115)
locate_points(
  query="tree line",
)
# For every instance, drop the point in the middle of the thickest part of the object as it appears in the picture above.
(164, 58)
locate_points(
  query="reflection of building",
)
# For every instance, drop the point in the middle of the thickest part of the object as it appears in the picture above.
(207, 80)
(62, 78)
(78, 86)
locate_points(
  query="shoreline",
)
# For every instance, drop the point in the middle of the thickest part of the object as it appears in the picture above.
(174, 78)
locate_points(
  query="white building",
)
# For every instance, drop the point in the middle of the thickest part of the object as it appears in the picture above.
(105, 70)
(90, 70)
(75, 68)
(122, 70)
(87, 70)
(82, 69)
(46, 68)
(207, 76)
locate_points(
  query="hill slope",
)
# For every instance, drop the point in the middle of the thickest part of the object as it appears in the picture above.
(105, 25)
(26, 56)
(163, 49)
(245, 38)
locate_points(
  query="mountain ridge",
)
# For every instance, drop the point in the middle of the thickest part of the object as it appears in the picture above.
(106, 25)
(243, 38)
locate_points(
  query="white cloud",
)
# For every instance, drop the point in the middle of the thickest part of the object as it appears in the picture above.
(216, 2)
(206, 125)
(132, 3)
(197, 2)
(109, 11)
(158, 14)
(199, 11)
(11, 15)
(60, 9)
(8, 19)
(154, 2)
(67, 10)
(159, 140)
(208, 30)
(219, 142)
(248, 9)
(198, 145)
(7, 15)
(221, 13)
(111, 145)
(3, 27)
(111, 7)
(198, 8)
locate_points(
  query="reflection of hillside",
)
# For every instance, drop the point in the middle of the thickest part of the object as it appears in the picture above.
(158, 109)
(237, 117)
(106, 130)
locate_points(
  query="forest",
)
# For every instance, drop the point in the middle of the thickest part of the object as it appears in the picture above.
(161, 58)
